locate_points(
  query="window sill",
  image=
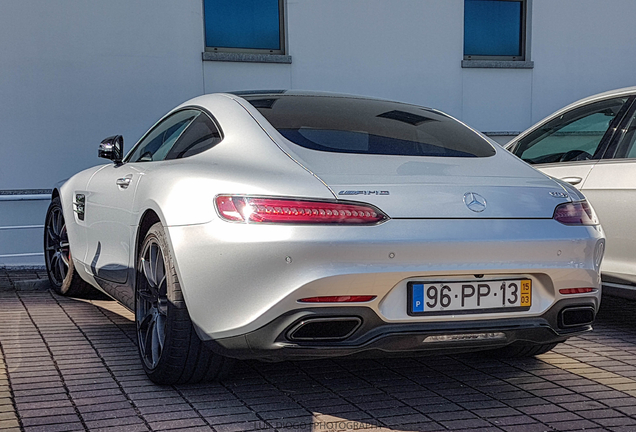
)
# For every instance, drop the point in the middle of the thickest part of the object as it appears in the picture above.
(497, 64)
(246, 57)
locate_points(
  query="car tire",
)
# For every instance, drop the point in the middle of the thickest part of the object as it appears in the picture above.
(57, 255)
(523, 349)
(170, 350)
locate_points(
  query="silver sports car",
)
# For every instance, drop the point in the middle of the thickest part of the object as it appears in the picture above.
(590, 144)
(288, 225)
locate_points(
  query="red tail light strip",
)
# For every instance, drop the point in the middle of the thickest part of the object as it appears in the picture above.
(576, 290)
(274, 210)
(337, 299)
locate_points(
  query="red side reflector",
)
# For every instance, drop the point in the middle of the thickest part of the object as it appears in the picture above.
(274, 210)
(337, 299)
(576, 290)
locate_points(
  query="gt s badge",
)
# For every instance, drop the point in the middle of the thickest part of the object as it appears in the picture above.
(559, 194)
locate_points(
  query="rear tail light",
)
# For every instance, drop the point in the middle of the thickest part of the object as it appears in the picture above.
(575, 213)
(576, 290)
(338, 299)
(274, 210)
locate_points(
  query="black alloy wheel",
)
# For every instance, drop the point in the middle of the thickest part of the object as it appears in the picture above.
(57, 255)
(57, 250)
(151, 304)
(170, 349)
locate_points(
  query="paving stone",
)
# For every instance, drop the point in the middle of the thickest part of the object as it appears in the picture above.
(588, 383)
(472, 424)
(49, 420)
(575, 425)
(175, 424)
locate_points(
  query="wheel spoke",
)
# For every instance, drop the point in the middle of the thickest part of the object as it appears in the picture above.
(148, 315)
(157, 343)
(153, 263)
(51, 235)
(60, 222)
(145, 267)
(145, 295)
(148, 342)
(147, 345)
(61, 266)
(64, 259)
(160, 275)
(53, 265)
(161, 329)
(54, 226)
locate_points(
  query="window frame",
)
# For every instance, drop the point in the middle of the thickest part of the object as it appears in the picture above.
(202, 110)
(213, 121)
(282, 22)
(525, 13)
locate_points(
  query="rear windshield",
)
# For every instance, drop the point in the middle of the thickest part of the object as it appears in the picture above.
(368, 126)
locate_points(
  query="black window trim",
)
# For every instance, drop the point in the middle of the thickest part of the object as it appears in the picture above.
(524, 57)
(616, 140)
(170, 114)
(282, 23)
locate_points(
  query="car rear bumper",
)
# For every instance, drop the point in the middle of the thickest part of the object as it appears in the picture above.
(239, 278)
(374, 337)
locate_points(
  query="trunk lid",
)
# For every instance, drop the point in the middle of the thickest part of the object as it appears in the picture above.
(437, 187)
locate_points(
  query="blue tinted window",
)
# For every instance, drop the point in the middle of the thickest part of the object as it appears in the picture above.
(248, 24)
(493, 28)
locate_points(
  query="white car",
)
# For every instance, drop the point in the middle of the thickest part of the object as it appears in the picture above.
(291, 225)
(590, 144)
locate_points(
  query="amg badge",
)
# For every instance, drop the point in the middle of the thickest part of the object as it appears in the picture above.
(363, 192)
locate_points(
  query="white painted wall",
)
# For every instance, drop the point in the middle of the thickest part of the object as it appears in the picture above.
(74, 72)
(580, 47)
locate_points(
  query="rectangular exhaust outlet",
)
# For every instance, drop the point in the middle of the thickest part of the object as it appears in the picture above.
(324, 329)
(576, 316)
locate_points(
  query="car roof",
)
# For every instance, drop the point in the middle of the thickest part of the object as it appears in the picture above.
(247, 94)
(604, 95)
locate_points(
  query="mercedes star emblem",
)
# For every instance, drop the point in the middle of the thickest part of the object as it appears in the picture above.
(475, 202)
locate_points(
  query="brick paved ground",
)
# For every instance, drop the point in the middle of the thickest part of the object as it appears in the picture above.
(69, 364)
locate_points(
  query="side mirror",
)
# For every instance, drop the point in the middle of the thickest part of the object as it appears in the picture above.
(112, 148)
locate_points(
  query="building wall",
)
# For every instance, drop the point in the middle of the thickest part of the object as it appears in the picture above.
(74, 72)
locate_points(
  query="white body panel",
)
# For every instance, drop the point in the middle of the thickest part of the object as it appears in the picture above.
(261, 284)
(610, 186)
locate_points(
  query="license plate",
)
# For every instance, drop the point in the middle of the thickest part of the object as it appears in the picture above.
(469, 297)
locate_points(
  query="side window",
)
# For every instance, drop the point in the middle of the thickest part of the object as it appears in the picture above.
(574, 136)
(158, 142)
(201, 135)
